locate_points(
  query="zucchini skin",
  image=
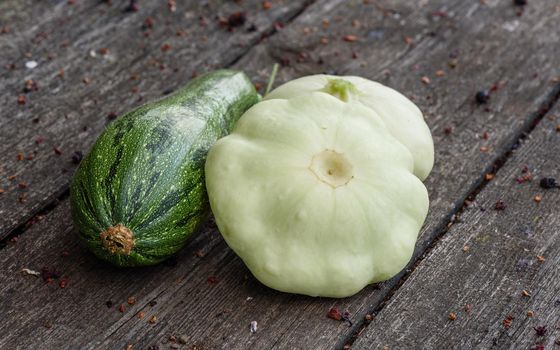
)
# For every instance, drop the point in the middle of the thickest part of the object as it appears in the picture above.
(145, 172)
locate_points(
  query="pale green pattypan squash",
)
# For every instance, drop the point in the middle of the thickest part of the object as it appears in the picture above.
(403, 119)
(316, 195)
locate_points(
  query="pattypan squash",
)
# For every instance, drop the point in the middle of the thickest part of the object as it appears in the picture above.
(403, 119)
(316, 192)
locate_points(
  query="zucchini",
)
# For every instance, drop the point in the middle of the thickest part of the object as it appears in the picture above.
(140, 193)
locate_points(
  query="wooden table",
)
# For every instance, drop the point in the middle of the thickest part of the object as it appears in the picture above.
(480, 277)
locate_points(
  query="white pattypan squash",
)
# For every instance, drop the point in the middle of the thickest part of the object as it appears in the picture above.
(316, 195)
(403, 119)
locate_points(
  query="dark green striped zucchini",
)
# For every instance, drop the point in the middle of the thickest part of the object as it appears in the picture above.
(140, 191)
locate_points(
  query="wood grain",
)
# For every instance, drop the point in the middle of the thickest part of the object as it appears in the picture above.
(215, 312)
(41, 314)
(487, 45)
(486, 260)
(113, 60)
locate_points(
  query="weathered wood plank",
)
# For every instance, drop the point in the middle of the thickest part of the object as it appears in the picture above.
(139, 55)
(486, 260)
(44, 315)
(191, 305)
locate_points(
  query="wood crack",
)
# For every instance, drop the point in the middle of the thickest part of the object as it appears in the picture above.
(35, 217)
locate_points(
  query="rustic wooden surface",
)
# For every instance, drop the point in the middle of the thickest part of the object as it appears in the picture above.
(486, 260)
(68, 113)
(209, 296)
(488, 51)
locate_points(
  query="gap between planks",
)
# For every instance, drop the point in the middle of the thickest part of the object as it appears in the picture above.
(475, 184)
(497, 164)
(27, 222)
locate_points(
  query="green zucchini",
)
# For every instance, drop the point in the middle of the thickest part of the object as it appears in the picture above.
(140, 191)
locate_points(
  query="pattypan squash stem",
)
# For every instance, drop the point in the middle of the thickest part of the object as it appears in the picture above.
(272, 78)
